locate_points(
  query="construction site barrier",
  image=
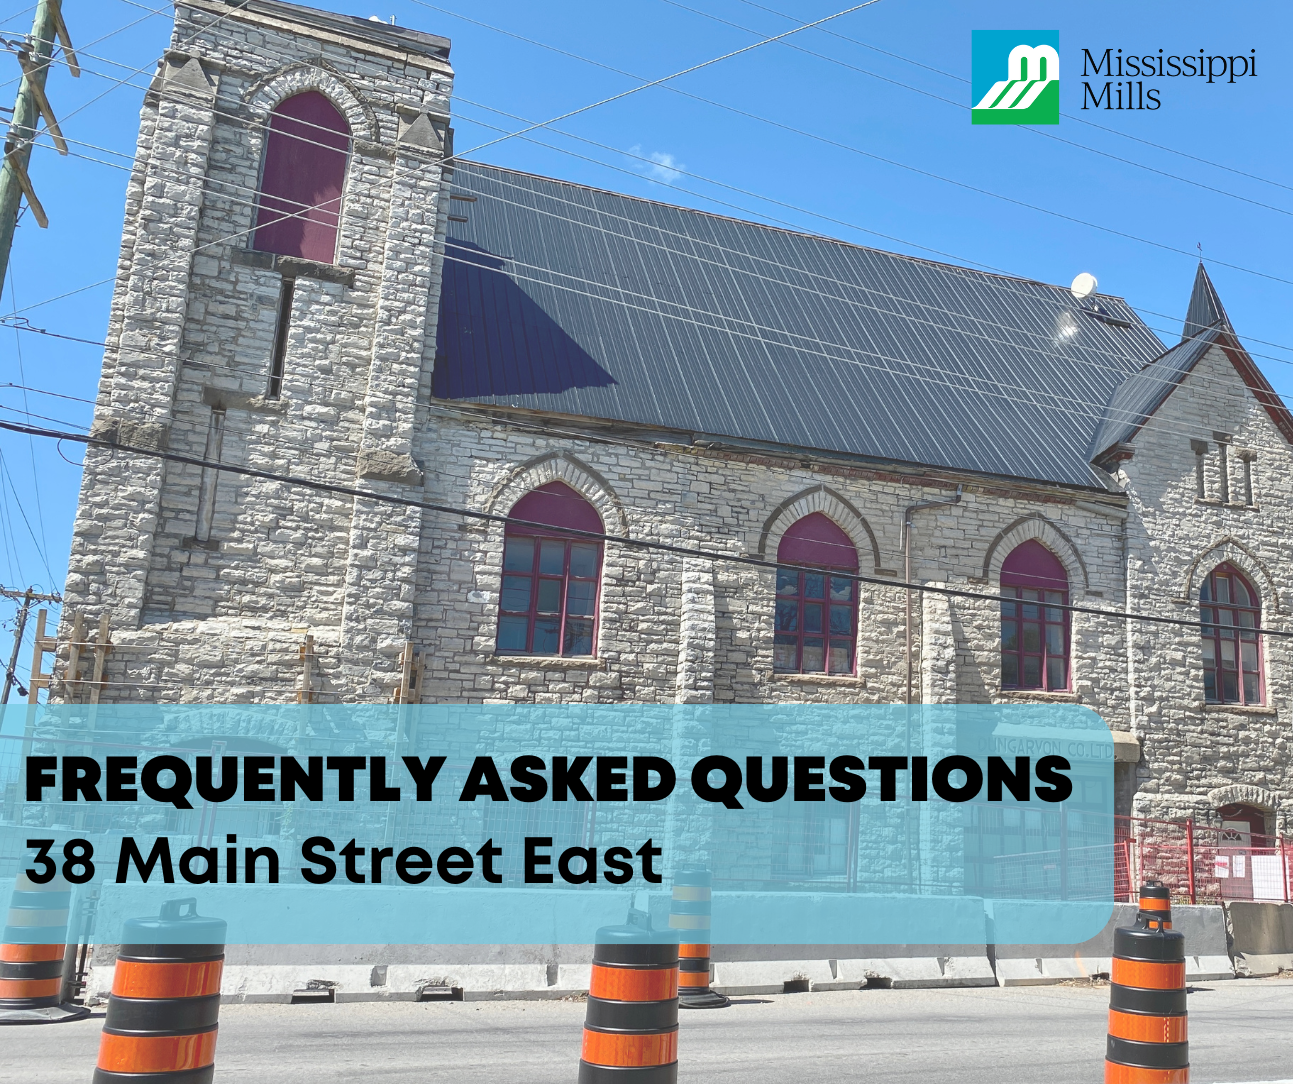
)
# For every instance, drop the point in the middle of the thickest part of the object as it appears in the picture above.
(631, 1027)
(1148, 1041)
(165, 1003)
(31, 954)
(689, 914)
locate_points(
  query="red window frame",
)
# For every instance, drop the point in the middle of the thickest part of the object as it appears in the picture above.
(1031, 633)
(815, 619)
(810, 613)
(559, 585)
(1036, 633)
(1233, 667)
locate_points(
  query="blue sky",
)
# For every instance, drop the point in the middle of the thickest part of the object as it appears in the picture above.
(815, 138)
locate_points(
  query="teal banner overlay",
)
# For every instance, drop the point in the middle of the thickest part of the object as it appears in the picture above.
(531, 824)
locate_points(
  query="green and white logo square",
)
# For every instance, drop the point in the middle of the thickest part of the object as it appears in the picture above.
(1015, 77)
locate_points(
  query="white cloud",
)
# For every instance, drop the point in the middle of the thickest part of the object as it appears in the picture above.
(663, 167)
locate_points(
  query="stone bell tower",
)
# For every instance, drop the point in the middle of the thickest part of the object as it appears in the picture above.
(275, 309)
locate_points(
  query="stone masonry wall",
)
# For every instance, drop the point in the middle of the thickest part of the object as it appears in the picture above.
(214, 584)
(1199, 756)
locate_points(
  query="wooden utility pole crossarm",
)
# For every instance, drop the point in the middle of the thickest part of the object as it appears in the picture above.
(30, 106)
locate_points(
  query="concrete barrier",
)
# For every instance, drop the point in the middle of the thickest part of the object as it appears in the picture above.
(774, 969)
(1261, 937)
(1207, 959)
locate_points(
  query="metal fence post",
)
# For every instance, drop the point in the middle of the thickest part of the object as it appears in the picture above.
(1189, 853)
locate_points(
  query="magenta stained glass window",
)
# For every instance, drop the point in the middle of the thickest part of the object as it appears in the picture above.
(815, 627)
(1034, 629)
(1232, 652)
(305, 170)
(548, 601)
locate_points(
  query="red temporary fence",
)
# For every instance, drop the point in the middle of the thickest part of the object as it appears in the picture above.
(1201, 864)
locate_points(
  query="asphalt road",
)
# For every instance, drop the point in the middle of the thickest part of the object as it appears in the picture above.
(1240, 1032)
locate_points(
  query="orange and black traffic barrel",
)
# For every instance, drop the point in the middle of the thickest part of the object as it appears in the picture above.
(1156, 901)
(1148, 1041)
(631, 1028)
(31, 954)
(689, 914)
(162, 1015)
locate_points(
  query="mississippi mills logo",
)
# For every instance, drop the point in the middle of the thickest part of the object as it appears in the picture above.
(1029, 93)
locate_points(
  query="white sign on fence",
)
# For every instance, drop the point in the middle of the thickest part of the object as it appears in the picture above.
(1268, 877)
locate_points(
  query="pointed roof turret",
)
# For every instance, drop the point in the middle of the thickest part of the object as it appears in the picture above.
(1205, 306)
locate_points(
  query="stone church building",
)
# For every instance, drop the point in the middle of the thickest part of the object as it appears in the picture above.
(310, 286)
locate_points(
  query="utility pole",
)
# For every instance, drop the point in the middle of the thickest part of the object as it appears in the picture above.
(31, 105)
(28, 597)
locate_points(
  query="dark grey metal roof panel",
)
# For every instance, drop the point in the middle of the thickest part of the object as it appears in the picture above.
(1135, 401)
(1205, 307)
(563, 298)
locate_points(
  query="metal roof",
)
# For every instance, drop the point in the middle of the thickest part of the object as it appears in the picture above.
(577, 301)
(1205, 307)
(1135, 401)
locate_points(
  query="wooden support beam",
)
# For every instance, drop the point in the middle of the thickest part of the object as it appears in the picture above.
(64, 38)
(102, 645)
(24, 183)
(44, 645)
(72, 675)
(305, 694)
(37, 89)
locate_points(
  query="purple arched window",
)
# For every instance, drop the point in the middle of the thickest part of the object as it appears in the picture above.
(1232, 652)
(300, 187)
(1034, 635)
(816, 622)
(548, 601)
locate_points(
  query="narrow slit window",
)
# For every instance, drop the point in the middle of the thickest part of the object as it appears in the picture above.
(1200, 449)
(278, 358)
(1248, 478)
(1223, 465)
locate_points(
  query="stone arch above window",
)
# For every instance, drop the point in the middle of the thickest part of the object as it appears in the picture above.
(1042, 530)
(303, 177)
(1230, 551)
(1240, 794)
(269, 92)
(560, 467)
(831, 505)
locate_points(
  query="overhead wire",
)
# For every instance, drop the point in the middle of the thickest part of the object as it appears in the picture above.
(960, 375)
(628, 541)
(1070, 116)
(964, 107)
(900, 241)
(918, 170)
(1122, 369)
(541, 126)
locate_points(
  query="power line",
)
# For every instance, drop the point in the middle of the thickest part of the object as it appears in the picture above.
(903, 165)
(964, 107)
(899, 240)
(601, 536)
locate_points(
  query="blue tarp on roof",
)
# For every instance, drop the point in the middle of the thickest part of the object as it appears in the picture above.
(576, 301)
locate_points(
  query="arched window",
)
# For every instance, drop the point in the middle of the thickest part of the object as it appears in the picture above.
(300, 186)
(816, 623)
(548, 604)
(1034, 636)
(1232, 653)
